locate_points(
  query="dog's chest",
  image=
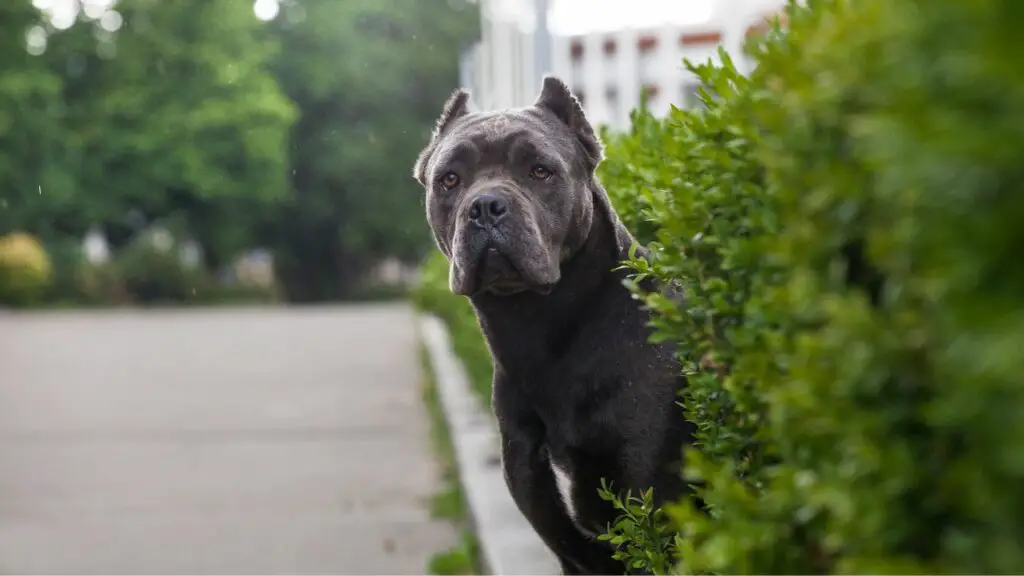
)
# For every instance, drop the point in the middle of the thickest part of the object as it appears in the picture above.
(568, 483)
(564, 482)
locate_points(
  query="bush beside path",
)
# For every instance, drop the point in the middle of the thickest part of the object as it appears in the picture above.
(845, 224)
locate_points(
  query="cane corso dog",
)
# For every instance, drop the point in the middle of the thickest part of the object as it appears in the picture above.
(580, 394)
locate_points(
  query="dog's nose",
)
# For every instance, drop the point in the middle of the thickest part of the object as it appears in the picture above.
(487, 209)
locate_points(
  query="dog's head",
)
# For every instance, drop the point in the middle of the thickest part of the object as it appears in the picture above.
(510, 193)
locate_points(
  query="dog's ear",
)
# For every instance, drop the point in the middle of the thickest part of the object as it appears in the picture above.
(456, 107)
(556, 98)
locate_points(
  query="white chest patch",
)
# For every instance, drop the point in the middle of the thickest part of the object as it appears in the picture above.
(564, 483)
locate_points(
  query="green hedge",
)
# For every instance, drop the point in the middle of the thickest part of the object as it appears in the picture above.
(432, 295)
(692, 187)
(846, 227)
(139, 274)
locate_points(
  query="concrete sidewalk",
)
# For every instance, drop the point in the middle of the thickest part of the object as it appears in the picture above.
(215, 441)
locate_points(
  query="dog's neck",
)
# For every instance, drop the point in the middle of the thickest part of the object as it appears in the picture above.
(528, 327)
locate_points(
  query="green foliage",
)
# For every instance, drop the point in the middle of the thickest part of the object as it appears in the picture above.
(25, 270)
(172, 114)
(450, 502)
(843, 225)
(630, 173)
(294, 135)
(694, 187)
(460, 559)
(433, 295)
(144, 273)
(153, 273)
(367, 75)
(175, 113)
(705, 204)
(37, 154)
(96, 285)
(642, 537)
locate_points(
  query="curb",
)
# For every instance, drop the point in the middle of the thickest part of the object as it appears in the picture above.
(508, 544)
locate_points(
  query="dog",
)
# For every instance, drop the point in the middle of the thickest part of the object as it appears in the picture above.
(580, 393)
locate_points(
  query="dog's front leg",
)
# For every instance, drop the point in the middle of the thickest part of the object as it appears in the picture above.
(531, 481)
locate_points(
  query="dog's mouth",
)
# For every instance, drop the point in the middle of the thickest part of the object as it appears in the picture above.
(501, 261)
(497, 273)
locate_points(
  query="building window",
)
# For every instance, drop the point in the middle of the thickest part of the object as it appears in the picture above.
(647, 43)
(650, 93)
(691, 96)
(576, 49)
(612, 97)
(611, 60)
(647, 66)
(701, 39)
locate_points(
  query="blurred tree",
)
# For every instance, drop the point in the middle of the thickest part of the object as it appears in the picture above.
(171, 111)
(177, 117)
(369, 77)
(37, 185)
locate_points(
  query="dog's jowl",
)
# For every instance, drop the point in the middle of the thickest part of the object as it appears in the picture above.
(579, 392)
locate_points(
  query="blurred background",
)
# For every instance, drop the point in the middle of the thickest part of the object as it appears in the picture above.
(266, 145)
(260, 143)
(158, 155)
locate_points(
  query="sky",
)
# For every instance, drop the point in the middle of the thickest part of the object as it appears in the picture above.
(579, 16)
(570, 17)
(566, 16)
(587, 16)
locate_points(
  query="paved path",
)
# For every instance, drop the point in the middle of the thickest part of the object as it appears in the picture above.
(216, 441)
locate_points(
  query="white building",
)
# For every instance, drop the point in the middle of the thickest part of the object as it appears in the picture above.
(631, 46)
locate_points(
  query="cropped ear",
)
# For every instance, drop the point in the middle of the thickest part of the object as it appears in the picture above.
(556, 98)
(456, 107)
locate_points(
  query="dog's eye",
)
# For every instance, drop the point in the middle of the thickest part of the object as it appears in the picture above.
(449, 180)
(540, 172)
